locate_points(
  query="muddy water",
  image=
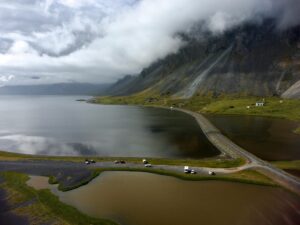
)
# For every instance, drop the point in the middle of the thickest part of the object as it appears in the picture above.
(267, 138)
(39, 182)
(132, 198)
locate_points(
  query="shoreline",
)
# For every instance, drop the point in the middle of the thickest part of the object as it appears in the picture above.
(224, 105)
(225, 145)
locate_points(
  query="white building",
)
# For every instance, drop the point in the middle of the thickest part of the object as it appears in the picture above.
(259, 104)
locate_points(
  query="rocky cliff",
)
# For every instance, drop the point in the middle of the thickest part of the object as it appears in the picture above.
(253, 59)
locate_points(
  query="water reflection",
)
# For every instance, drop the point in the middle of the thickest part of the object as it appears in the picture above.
(59, 125)
(44, 146)
(268, 138)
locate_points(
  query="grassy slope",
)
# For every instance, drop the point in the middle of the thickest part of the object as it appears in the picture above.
(288, 109)
(46, 209)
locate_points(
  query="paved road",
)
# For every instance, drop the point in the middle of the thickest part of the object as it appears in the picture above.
(227, 147)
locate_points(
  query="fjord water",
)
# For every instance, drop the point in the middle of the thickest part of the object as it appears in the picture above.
(132, 198)
(60, 125)
(267, 138)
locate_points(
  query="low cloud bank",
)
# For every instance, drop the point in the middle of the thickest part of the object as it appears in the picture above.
(101, 40)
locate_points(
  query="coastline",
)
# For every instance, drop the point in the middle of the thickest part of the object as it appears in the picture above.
(226, 146)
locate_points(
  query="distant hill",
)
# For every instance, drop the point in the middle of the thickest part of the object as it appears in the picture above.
(55, 89)
(252, 59)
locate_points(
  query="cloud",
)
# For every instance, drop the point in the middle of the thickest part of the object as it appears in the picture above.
(4, 79)
(7, 78)
(101, 40)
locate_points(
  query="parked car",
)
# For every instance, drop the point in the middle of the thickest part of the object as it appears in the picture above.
(148, 165)
(89, 161)
(212, 173)
(187, 169)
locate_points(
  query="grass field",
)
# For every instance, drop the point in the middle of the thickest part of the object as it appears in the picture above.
(233, 105)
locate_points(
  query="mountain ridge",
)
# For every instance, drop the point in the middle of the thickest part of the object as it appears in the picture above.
(253, 59)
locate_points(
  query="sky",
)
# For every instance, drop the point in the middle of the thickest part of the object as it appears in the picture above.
(99, 41)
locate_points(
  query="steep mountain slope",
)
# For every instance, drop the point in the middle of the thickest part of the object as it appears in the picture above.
(251, 60)
(293, 91)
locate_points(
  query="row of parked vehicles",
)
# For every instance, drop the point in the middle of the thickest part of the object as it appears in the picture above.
(191, 171)
(146, 163)
(90, 161)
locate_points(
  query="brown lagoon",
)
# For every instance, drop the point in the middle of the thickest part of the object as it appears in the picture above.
(134, 198)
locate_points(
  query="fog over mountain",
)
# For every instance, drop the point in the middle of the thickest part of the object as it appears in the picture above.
(57, 41)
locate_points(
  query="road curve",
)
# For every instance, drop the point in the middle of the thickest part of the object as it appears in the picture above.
(227, 147)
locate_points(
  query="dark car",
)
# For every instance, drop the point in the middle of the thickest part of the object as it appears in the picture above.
(89, 161)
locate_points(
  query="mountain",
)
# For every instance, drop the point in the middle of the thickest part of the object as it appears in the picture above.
(252, 59)
(293, 91)
(55, 89)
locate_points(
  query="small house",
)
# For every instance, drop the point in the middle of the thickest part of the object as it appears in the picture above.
(259, 104)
